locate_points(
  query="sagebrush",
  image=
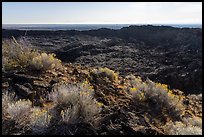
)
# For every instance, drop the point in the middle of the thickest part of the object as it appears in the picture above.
(18, 55)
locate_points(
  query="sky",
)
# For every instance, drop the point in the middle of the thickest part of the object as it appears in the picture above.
(101, 12)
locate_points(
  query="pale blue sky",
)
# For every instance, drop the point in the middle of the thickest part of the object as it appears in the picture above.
(102, 12)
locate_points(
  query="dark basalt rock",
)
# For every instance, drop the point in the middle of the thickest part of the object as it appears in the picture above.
(22, 91)
(121, 114)
(28, 85)
(164, 54)
(22, 78)
(41, 84)
(54, 81)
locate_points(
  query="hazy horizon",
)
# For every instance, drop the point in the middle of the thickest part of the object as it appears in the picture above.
(82, 27)
(102, 24)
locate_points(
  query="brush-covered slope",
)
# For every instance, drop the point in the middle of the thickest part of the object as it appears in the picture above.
(42, 95)
(164, 54)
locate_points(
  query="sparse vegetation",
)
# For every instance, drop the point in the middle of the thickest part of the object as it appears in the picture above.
(193, 121)
(39, 120)
(45, 62)
(16, 114)
(63, 103)
(7, 99)
(19, 111)
(158, 94)
(76, 103)
(17, 55)
(179, 128)
(104, 74)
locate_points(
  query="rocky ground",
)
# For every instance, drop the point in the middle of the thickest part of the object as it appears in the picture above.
(120, 114)
(164, 54)
(128, 105)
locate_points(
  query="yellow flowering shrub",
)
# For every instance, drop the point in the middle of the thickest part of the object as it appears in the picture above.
(137, 87)
(45, 62)
(39, 120)
(133, 89)
(163, 97)
(158, 93)
(105, 73)
(163, 86)
(17, 55)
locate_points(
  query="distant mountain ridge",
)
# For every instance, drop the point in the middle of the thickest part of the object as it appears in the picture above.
(82, 27)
